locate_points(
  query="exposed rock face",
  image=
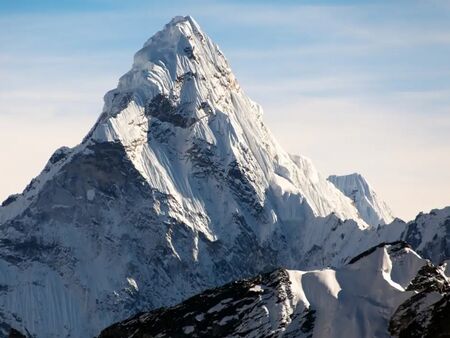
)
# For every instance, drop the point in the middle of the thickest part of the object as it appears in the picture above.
(357, 300)
(426, 313)
(15, 334)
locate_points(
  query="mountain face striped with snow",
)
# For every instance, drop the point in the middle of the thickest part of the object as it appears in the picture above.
(428, 234)
(388, 291)
(370, 207)
(178, 187)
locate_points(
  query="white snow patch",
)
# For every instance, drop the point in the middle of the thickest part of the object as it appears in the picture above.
(132, 283)
(188, 329)
(220, 306)
(226, 319)
(257, 288)
(200, 317)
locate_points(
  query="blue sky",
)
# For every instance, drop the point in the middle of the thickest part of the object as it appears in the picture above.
(355, 85)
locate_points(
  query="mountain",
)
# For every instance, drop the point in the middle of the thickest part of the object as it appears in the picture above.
(425, 314)
(375, 295)
(370, 207)
(428, 234)
(177, 188)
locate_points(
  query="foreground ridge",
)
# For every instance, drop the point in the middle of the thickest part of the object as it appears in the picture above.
(388, 290)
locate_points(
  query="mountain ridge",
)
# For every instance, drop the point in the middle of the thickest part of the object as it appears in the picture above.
(371, 208)
(177, 188)
(287, 303)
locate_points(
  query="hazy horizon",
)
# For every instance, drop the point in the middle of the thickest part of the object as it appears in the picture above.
(355, 86)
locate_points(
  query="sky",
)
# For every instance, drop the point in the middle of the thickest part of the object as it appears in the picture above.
(357, 86)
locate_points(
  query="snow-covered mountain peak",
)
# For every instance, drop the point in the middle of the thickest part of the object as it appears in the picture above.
(186, 25)
(181, 174)
(355, 179)
(179, 76)
(371, 208)
(181, 97)
(180, 30)
(179, 52)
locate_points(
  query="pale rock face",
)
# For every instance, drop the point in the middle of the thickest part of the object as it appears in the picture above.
(370, 207)
(178, 187)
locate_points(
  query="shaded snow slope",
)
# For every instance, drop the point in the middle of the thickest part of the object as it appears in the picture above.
(357, 300)
(181, 98)
(371, 208)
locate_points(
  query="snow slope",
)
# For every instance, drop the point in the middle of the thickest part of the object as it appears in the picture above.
(357, 300)
(371, 208)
